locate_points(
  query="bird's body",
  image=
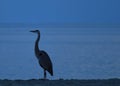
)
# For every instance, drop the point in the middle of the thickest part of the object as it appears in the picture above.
(43, 57)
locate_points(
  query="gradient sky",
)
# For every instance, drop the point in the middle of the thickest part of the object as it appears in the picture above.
(60, 11)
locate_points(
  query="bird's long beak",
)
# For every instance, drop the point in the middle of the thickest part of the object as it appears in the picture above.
(32, 31)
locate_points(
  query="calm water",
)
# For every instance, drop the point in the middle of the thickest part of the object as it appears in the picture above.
(78, 53)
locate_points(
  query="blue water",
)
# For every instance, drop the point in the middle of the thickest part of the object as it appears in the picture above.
(76, 53)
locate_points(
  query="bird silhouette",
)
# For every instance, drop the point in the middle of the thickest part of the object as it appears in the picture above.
(42, 56)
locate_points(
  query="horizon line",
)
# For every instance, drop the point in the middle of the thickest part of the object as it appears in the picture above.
(55, 25)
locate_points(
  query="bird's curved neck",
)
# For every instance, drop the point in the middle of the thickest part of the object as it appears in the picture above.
(36, 43)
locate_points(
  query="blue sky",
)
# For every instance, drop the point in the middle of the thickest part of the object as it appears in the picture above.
(60, 11)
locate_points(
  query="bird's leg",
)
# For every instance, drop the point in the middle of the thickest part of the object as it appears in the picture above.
(44, 74)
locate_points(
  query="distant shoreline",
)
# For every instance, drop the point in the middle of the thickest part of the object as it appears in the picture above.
(61, 82)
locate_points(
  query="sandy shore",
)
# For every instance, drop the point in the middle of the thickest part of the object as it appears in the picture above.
(34, 82)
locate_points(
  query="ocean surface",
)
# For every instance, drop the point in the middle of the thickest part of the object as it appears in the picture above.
(76, 53)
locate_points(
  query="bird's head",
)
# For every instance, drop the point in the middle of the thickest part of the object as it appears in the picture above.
(35, 31)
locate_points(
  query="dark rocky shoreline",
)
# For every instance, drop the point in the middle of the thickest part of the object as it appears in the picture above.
(61, 82)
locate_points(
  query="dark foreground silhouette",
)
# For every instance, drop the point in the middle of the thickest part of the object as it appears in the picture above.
(61, 82)
(43, 58)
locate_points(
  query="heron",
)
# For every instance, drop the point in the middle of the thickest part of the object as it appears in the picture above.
(42, 56)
